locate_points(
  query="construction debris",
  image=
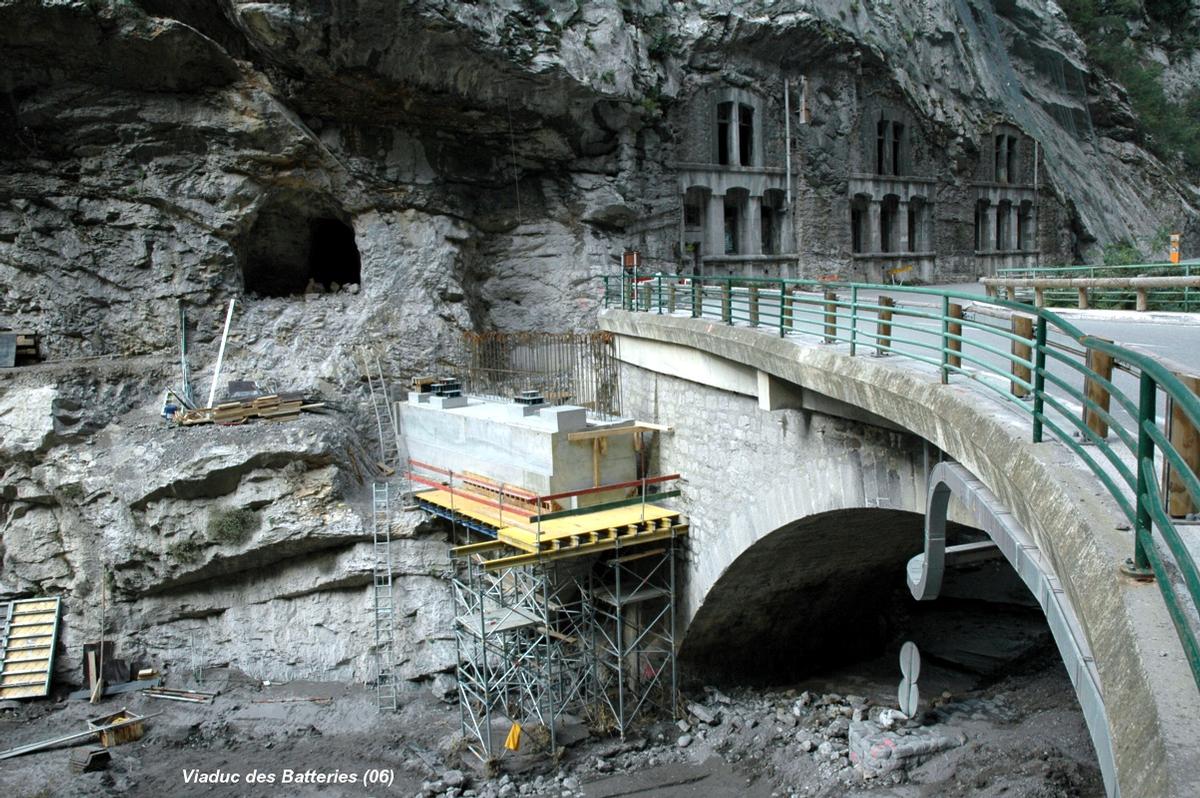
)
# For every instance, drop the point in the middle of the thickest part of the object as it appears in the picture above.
(77, 737)
(188, 696)
(314, 699)
(28, 633)
(116, 689)
(87, 760)
(272, 407)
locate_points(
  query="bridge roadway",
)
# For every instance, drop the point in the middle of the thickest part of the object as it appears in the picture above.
(1147, 722)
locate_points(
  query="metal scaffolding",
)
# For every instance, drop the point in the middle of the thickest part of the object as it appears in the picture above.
(592, 636)
(522, 656)
(630, 613)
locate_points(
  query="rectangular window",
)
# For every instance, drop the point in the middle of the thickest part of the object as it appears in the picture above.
(745, 135)
(982, 209)
(724, 118)
(857, 222)
(881, 134)
(897, 137)
(1012, 159)
(768, 230)
(731, 230)
(996, 171)
(691, 217)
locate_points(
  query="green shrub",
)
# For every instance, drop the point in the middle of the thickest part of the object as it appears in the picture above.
(232, 526)
(185, 550)
(1168, 129)
(1122, 253)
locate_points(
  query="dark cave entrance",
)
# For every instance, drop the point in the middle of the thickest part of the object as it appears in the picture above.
(288, 249)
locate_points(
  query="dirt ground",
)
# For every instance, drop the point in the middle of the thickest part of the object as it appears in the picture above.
(1025, 739)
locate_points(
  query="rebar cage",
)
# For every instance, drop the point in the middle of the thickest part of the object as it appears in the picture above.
(578, 368)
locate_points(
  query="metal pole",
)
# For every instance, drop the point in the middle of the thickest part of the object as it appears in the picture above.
(188, 395)
(1145, 452)
(787, 136)
(620, 641)
(853, 319)
(674, 675)
(945, 331)
(212, 392)
(1039, 378)
(549, 675)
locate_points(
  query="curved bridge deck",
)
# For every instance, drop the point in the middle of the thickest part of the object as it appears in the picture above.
(1069, 498)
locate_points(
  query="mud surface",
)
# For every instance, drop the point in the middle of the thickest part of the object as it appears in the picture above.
(1025, 738)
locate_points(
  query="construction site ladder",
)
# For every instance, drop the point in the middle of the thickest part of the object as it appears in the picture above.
(393, 455)
(381, 403)
(385, 608)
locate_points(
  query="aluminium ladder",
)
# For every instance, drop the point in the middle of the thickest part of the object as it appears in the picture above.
(385, 648)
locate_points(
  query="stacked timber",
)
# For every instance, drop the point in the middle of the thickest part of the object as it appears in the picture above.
(272, 407)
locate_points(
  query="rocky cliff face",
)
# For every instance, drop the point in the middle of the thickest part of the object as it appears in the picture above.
(372, 172)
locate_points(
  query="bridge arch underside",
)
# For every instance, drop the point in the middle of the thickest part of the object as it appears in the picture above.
(812, 593)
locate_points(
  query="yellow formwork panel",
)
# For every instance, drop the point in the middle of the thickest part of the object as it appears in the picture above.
(470, 508)
(560, 537)
(588, 527)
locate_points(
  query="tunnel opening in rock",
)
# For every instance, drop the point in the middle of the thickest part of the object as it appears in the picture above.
(290, 251)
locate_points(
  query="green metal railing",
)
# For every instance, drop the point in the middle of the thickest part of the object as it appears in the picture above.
(1038, 364)
(1185, 299)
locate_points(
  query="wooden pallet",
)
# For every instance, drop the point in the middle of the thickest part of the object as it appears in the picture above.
(27, 639)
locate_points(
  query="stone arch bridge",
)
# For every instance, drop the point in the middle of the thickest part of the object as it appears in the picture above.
(807, 471)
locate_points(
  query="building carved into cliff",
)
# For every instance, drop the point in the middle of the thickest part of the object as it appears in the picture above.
(895, 204)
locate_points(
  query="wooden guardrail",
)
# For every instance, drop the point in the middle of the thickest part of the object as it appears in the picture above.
(1140, 285)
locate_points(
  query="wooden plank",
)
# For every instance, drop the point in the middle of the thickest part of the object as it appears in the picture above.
(1102, 364)
(606, 432)
(116, 689)
(601, 545)
(1185, 438)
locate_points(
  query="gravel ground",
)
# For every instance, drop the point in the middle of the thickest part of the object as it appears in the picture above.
(1024, 738)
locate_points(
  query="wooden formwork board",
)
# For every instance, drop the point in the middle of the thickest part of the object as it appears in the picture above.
(624, 523)
(27, 640)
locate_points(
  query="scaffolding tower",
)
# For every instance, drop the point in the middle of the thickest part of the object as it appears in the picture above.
(557, 612)
(630, 612)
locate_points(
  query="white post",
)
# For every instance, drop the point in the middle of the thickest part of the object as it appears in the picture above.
(212, 392)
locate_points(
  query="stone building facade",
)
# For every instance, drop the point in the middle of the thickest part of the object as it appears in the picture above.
(872, 190)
